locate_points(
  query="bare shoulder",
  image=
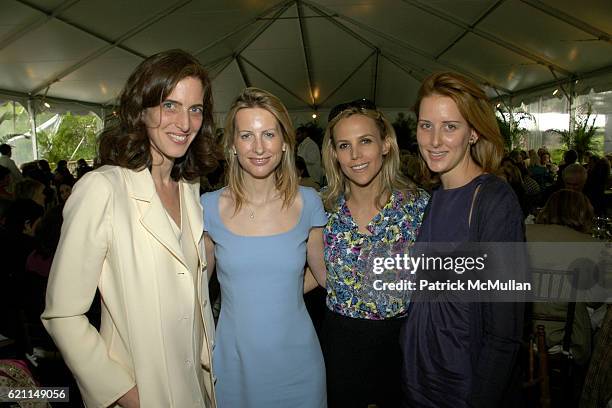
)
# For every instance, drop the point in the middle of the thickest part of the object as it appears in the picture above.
(226, 203)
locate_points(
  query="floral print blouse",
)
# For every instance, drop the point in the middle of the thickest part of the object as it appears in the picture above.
(348, 255)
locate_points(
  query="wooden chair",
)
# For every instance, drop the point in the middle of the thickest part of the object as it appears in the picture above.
(555, 365)
(538, 376)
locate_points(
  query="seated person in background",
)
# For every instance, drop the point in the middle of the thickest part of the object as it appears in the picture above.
(566, 217)
(5, 183)
(6, 161)
(510, 172)
(62, 173)
(63, 192)
(537, 170)
(569, 157)
(309, 151)
(596, 184)
(45, 171)
(568, 208)
(305, 179)
(546, 162)
(30, 189)
(82, 168)
(36, 274)
(17, 242)
(574, 177)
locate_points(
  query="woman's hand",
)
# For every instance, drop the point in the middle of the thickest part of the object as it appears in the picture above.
(130, 399)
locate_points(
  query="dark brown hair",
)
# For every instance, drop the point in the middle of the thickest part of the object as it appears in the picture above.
(125, 142)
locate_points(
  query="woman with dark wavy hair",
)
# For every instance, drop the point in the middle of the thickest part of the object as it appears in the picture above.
(133, 229)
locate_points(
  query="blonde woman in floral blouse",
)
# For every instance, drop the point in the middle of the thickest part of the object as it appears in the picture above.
(372, 210)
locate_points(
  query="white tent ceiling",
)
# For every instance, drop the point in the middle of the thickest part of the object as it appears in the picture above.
(312, 54)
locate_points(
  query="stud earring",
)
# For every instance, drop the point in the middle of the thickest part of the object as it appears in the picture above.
(234, 151)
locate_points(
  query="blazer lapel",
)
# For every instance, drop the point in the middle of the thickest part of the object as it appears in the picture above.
(154, 217)
(193, 208)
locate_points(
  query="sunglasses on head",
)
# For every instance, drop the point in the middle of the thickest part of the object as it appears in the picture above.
(362, 104)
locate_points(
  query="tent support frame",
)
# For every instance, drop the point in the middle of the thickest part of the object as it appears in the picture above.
(111, 44)
(489, 37)
(307, 58)
(289, 91)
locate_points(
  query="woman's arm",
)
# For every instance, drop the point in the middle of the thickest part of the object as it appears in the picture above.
(209, 247)
(314, 257)
(499, 220)
(310, 282)
(74, 277)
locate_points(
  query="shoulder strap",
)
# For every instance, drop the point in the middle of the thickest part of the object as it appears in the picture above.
(482, 183)
(472, 206)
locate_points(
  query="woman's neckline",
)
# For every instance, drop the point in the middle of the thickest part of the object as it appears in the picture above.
(478, 177)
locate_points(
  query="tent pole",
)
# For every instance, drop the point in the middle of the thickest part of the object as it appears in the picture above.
(568, 19)
(400, 66)
(111, 44)
(307, 58)
(349, 76)
(245, 78)
(289, 91)
(33, 140)
(375, 81)
(466, 32)
(395, 40)
(489, 37)
(283, 7)
(15, 35)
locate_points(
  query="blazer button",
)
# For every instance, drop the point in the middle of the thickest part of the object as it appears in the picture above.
(204, 302)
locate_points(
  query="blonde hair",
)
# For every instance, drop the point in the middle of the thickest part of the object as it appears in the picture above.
(390, 173)
(285, 175)
(475, 108)
(534, 159)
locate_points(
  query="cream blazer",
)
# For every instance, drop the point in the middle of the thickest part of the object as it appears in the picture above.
(117, 237)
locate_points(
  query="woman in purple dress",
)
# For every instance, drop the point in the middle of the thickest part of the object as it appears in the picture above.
(460, 354)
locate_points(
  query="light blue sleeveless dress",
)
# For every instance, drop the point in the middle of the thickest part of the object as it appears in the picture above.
(267, 353)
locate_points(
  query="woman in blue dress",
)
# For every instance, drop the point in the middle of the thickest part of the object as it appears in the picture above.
(260, 230)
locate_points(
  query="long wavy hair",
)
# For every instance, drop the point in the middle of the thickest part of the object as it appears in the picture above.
(391, 177)
(125, 141)
(475, 108)
(285, 174)
(570, 208)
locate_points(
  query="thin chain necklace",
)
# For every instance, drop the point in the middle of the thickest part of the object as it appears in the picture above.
(251, 209)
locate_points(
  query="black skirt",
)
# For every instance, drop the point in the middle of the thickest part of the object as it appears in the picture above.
(362, 360)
